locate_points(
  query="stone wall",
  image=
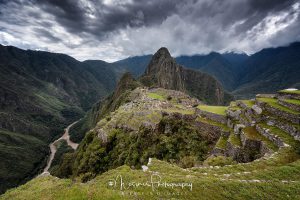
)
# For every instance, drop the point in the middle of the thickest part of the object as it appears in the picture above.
(214, 131)
(287, 127)
(253, 145)
(243, 120)
(294, 118)
(233, 114)
(241, 104)
(289, 105)
(285, 95)
(212, 116)
(274, 138)
(233, 151)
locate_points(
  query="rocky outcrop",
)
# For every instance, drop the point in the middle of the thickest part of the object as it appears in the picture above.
(257, 109)
(233, 114)
(238, 128)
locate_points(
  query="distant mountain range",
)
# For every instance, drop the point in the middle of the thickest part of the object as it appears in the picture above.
(266, 71)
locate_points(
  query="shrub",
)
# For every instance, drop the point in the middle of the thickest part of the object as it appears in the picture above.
(187, 161)
(219, 161)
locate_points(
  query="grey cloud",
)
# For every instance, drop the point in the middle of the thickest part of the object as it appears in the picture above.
(190, 26)
(46, 34)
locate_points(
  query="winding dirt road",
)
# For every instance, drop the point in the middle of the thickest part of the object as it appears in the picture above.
(53, 149)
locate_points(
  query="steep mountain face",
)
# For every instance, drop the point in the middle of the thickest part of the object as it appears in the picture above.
(164, 72)
(270, 70)
(214, 64)
(40, 93)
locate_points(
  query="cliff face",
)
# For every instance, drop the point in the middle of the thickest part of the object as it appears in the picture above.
(163, 71)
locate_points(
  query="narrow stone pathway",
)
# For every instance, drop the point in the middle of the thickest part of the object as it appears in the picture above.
(53, 148)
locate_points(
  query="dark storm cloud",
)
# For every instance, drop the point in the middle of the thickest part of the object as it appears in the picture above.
(100, 19)
(76, 16)
(43, 33)
(256, 10)
(200, 25)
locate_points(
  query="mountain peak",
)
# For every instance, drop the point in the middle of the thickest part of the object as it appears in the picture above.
(163, 52)
(164, 72)
(159, 60)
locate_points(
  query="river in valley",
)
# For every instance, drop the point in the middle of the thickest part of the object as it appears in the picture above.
(53, 147)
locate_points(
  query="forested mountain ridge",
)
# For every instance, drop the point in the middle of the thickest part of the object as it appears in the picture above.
(40, 93)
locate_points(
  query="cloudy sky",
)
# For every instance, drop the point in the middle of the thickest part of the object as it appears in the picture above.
(114, 29)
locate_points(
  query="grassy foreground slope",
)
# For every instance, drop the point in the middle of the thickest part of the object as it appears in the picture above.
(229, 182)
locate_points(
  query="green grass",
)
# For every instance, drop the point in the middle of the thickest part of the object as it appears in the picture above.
(214, 123)
(222, 142)
(156, 96)
(249, 103)
(233, 106)
(220, 110)
(292, 101)
(20, 155)
(204, 186)
(291, 92)
(253, 134)
(235, 139)
(273, 102)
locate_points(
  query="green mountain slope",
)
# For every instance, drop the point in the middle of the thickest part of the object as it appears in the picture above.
(40, 93)
(270, 70)
(214, 64)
